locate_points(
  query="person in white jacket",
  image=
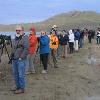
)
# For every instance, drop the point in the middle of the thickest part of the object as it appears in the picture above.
(71, 41)
(98, 36)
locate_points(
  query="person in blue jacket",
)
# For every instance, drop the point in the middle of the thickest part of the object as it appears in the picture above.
(44, 50)
(77, 37)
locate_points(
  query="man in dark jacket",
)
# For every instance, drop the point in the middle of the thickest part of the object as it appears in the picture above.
(77, 37)
(19, 54)
(63, 42)
(91, 35)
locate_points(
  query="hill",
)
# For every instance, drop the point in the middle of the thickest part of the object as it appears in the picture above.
(65, 20)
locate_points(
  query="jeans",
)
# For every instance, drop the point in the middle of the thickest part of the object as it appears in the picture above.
(44, 59)
(98, 39)
(71, 47)
(30, 63)
(18, 67)
(81, 42)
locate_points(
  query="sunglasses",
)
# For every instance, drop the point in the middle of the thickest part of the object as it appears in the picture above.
(18, 30)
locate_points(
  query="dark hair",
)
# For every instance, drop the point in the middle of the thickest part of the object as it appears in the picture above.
(63, 30)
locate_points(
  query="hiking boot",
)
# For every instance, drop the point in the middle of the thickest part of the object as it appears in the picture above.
(19, 91)
(44, 72)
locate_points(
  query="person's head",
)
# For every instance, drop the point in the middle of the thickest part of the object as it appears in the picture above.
(19, 31)
(64, 31)
(54, 26)
(32, 30)
(43, 33)
(98, 29)
(53, 32)
(70, 32)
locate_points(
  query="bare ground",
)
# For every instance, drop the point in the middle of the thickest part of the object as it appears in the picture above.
(77, 78)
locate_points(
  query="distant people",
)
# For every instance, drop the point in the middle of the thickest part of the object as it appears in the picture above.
(64, 39)
(77, 37)
(90, 35)
(44, 51)
(54, 46)
(71, 41)
(32, 51)
(81, 40)
(59, 34)
(19, 54)
(55, 27)
(85, 34)
(98, 35)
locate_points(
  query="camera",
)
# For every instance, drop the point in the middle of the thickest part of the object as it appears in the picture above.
(54, 43)
(4, 40)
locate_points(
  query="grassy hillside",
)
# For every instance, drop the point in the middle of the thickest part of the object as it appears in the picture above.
(64, 20)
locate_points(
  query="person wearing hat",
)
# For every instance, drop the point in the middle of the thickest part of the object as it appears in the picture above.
(32, 51)
(19, 54)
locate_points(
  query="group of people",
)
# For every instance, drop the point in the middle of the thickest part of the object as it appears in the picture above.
(50, 47)
(24, 49)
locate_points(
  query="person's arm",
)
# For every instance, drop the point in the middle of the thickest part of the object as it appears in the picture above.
(25, 47)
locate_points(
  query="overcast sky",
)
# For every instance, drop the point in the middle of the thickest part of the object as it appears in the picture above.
(17, 11)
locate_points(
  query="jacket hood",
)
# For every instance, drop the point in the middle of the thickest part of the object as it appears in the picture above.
(70, 32)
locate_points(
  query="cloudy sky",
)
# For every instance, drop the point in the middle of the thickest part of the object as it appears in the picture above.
(17, 11)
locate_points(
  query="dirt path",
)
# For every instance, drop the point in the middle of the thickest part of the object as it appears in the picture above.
(77, 78)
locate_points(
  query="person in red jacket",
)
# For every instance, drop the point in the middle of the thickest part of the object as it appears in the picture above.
(32, 51)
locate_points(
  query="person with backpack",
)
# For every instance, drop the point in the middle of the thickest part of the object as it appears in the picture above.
(44, 50)
(32, 51)
(20, 46)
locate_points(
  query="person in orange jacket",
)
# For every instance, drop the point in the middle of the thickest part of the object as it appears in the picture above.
(32, 51)
(54, 46)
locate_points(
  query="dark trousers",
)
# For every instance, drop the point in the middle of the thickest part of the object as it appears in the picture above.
(44, 60)
(71, 47)
(90, 39)
(98, 39)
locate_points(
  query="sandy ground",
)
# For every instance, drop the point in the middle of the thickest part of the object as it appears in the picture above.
(77, 78)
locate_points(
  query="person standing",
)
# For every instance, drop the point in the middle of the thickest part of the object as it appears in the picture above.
(98, 36)
(71, 41)
(54, 46)
(64, 39)
(81, 40)
(44, 51)
(19, 54)
(32, 51)
(77, 37)
(90, 36)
